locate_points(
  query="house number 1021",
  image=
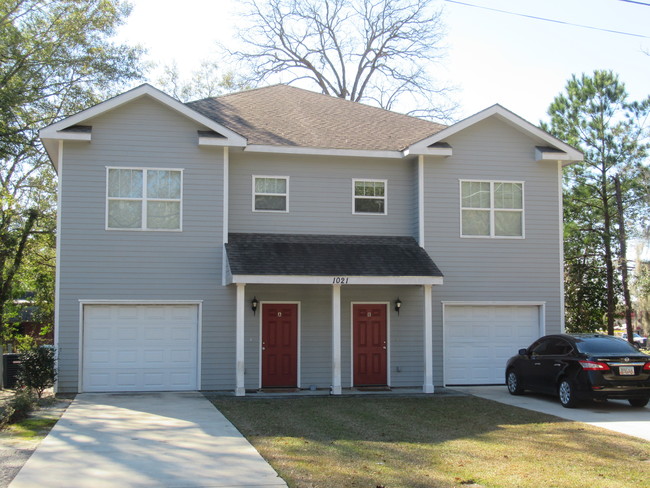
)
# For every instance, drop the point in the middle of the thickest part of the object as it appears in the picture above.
(340, 280)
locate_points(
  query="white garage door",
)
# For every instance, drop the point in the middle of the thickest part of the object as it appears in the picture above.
(479, 340)
(140, 348)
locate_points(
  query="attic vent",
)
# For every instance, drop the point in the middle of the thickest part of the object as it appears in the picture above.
(80, 129)
(439, 145)
(547, 149)
(211, 133)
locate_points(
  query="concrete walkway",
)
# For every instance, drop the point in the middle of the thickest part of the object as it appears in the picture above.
(145, 440)
(616, 415)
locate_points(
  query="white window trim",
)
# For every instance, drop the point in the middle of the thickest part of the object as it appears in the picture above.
(370, 180)
(286, 194)
(144, 199)
(492, 209)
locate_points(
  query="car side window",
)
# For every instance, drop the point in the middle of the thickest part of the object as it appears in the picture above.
(562, 348)
(539, 348)
(551, 347)
(557, 347)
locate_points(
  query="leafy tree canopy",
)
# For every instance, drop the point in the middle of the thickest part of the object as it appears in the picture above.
(594, 114)
(56, 58)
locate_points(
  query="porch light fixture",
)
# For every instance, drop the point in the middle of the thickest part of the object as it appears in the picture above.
(254, 304)
(398, 305)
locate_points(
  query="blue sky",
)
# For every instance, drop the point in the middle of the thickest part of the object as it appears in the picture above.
(492, 57)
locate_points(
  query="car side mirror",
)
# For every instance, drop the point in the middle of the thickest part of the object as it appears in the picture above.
(523, 352)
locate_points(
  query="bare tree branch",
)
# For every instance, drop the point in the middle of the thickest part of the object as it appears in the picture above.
(375, 51)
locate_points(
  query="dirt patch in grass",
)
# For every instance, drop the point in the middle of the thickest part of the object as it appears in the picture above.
(433, 442)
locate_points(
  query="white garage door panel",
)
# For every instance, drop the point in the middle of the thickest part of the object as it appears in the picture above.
(479, 339)
(140, 347)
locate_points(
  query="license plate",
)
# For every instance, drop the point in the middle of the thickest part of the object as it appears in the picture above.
(626, 370)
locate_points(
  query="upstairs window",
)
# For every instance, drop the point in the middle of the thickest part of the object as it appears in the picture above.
(144, 199)
(369, 197)
(492, 209)
(270, 194)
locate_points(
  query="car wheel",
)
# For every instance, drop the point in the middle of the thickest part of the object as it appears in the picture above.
(639, 402)
(513, 382)
(566, 392)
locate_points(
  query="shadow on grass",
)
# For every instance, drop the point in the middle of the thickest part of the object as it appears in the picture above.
(430, 442)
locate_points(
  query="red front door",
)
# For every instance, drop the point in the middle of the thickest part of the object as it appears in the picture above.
(279, 345)
(369, 343)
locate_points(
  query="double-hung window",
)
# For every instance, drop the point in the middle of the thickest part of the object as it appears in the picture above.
(369, 197)
(492, 209)
(144, 199)
(271, 193)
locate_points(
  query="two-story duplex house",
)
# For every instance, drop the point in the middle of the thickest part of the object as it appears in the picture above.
(282, 238)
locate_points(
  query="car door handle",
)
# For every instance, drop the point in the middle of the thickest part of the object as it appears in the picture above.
(557, 364)
(537, 364)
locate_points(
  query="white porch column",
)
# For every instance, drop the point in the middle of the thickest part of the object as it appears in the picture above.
(336, 340)
(428, 341)
(239, 341)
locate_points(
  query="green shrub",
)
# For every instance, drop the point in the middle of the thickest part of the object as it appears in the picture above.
(37, 371)
(18, 408)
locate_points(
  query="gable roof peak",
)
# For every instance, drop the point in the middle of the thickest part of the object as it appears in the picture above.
(570, 154)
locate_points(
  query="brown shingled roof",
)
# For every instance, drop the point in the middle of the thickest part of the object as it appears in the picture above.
(282, 115)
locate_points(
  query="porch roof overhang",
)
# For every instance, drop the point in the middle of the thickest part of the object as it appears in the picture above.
(329, 260)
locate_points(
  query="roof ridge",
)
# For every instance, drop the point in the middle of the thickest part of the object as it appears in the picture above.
(334, 98)
(238, 92)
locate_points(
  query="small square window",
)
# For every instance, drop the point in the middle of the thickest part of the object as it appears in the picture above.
(270, 194)
(369, 197)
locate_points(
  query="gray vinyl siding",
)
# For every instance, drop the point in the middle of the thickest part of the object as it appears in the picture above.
(97, 264)
(415, 199)
(484, 269)
(320, 195)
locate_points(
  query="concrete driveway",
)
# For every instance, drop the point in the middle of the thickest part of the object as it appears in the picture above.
(145, 440)
(616, 415)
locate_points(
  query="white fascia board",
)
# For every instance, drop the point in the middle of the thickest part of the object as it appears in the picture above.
(510, 118)
(316, 151)
(53, 131)
(217, 141)
(429, 151)
(335, 280)
(66, 136)
(554, 156)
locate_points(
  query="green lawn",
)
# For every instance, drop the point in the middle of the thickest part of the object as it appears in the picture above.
(31, 428)
(433, 442)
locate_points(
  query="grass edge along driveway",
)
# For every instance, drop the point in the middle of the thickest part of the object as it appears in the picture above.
(432, 442)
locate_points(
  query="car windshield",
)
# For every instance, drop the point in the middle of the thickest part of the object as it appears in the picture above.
(605, 345)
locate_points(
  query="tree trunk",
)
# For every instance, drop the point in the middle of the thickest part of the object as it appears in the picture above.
(609, 264)
(623, 260)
